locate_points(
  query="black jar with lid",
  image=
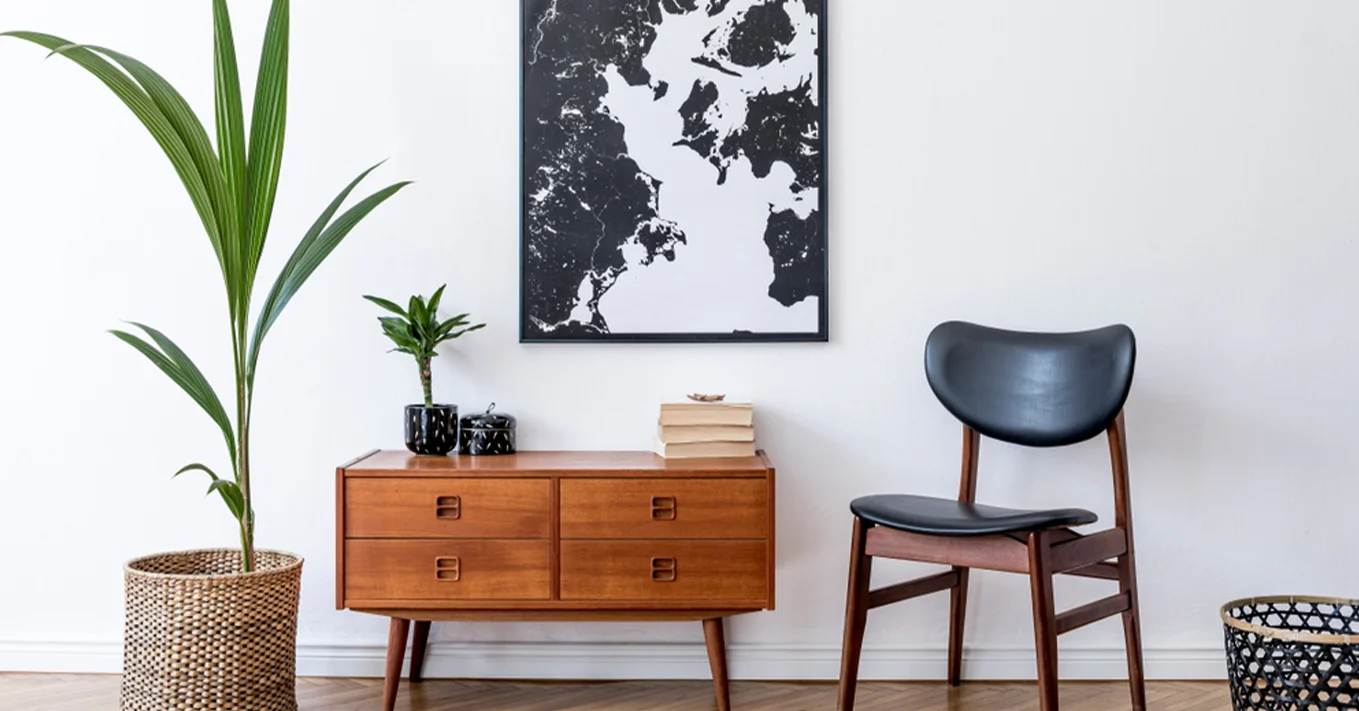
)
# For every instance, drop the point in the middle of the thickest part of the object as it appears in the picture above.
(487, 432)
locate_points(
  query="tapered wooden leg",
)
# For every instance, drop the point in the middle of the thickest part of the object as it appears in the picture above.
(856, 614)
(419, 642)
(717, 659)
(957, 613)
(1132, 631)
(1127, 567)
(396, 654)
(1044, 617)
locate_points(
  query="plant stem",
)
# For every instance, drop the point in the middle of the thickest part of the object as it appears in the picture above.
(426, 378)
(243, 393)
(247, 516)
(245, 545)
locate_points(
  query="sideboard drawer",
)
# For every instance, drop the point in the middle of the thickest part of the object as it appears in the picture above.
(448, 508)
(448, 570)
(664, 570)
(664, 508)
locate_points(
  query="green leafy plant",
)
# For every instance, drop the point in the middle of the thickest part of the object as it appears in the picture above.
(417, 331)
(232, 188)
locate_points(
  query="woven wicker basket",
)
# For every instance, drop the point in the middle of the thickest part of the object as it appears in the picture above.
(1293, 653)
(203, 635)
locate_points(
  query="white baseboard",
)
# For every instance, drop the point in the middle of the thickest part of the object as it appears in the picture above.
(655, 661)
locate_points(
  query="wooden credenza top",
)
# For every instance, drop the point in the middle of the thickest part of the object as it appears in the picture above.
(399, 463)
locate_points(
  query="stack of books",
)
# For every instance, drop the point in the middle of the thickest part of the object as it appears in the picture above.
(705, 429)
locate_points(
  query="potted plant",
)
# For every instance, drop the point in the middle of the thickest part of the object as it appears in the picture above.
(217, 629)
(417, 331)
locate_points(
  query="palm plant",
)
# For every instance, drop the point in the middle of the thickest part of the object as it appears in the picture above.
(417, 331)
(232, 188)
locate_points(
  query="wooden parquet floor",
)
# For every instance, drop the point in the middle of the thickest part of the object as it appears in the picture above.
(65, 692)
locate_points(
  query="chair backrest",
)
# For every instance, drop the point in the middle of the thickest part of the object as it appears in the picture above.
(1033, 389)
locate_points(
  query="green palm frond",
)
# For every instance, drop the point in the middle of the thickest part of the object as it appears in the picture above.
(233, 188)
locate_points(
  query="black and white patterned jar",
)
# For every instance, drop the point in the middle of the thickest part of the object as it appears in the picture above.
(487, 433)
(432, 430)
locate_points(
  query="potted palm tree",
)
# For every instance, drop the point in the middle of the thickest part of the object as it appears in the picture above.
(217, 628)
(417, 331)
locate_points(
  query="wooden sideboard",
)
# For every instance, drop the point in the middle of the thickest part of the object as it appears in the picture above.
(553, 536)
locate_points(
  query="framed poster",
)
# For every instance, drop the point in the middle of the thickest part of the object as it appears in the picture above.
(674, 170)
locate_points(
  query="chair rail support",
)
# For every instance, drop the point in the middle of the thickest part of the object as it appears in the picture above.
(1078, 617)
(1103, 571)
(1088, 550)
(987, 552)
(913, 588)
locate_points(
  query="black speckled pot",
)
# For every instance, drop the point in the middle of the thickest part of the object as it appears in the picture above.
(432, 430)
(487, 433)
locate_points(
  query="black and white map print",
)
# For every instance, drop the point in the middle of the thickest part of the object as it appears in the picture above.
(673, 169)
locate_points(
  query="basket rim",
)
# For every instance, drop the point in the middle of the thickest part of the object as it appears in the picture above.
(296, 563)
(1289, 635)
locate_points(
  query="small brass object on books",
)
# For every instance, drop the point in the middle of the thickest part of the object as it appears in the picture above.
(707, 398)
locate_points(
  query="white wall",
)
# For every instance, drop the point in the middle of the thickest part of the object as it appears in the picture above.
(1187, 168)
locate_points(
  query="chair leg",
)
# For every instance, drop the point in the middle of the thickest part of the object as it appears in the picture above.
(957, 613)
(1132, 631)
(856, 614)
(1044, 617)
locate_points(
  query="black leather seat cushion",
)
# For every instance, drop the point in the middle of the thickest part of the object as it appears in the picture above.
(946, 517)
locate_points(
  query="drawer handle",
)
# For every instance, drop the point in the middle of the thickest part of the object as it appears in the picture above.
(664, 570)
(448, 507)
(664, 508)
(447, 569)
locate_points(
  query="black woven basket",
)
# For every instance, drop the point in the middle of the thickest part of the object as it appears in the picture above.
(1293, 653)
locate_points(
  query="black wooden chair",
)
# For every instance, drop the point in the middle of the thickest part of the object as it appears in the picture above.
(1032, 389)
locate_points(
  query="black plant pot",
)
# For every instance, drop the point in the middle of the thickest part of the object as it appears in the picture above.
(432, 430)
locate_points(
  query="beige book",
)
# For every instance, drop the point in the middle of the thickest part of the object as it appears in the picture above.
(694, 450)
(707, 413)
(679, 434)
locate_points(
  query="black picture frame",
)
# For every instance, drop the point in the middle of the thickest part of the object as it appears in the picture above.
(822, 335)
